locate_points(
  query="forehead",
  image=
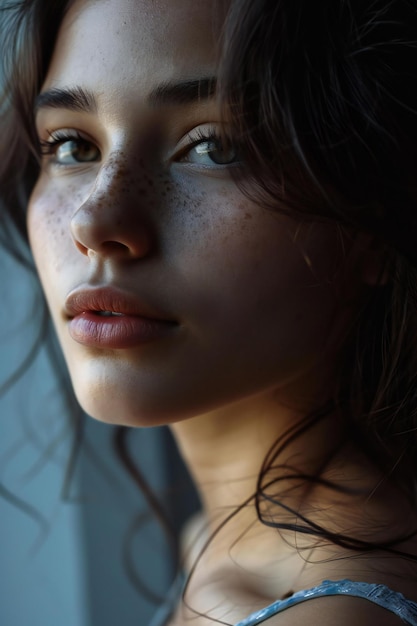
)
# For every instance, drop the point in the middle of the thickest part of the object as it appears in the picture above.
(119, 41)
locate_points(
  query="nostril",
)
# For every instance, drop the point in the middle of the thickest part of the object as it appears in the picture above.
(138, 246)
(112, 228)
(112, 247)
(83, 249)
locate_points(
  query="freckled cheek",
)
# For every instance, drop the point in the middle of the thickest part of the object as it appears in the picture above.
(202, 215)
(238, 248)
(252, 242)
(49, 216)
(218, 224)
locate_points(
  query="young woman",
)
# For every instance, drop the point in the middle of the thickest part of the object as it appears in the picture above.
(221, 206)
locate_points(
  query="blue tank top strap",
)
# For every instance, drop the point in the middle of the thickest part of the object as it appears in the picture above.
(378, 594)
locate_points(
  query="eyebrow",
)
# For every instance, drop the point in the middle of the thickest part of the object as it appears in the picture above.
(74, 99)
(169, 93)
(185, 92)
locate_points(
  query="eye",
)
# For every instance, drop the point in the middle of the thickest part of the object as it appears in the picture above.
(205, 146)
(69, 148)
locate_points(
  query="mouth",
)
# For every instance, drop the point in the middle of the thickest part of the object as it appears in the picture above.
(110, 302)
(109, 318)
(107, 314)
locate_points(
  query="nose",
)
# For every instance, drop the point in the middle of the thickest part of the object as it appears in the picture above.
(112, 221)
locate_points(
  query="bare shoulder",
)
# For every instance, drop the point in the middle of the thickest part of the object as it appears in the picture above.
(335, 611)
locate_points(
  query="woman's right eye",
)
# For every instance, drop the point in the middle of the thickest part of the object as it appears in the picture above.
(69, 149)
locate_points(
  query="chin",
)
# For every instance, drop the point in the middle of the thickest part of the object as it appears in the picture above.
(125, 399)
(121, 408)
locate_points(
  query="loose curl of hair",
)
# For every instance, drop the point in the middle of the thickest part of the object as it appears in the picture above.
(320, 99)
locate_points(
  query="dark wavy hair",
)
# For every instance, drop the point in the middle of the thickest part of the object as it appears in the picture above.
(321, 98)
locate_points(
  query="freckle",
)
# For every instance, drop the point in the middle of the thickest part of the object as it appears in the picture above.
(248, 216)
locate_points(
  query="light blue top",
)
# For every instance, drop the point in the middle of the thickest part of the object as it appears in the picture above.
(378, 594)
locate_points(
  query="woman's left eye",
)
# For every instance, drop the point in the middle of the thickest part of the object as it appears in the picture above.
(66, 149)
(208, 149)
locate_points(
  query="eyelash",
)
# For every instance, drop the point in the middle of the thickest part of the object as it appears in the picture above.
(48, 147)
(56, 138)
(202, 136)
(209, 135)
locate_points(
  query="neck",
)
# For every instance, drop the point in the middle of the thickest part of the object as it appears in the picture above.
(225, 450)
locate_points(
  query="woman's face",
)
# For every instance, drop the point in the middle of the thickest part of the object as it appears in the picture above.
(171, 292)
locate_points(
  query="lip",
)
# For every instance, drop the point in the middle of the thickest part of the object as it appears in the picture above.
(135, 324)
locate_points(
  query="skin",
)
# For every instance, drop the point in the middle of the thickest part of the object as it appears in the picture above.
(261, 303)
(253, 315)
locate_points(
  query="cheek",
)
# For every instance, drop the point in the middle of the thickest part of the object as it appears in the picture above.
(223, 239)
(48, 228)
(258, 274)
(207, 220)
